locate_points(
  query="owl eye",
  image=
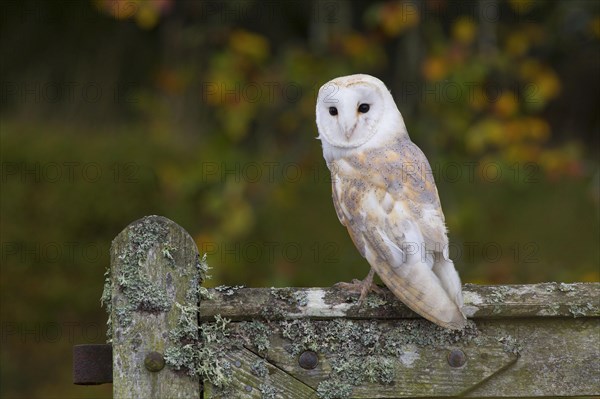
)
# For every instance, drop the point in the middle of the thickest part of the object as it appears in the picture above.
(363, 108)
(332, 111)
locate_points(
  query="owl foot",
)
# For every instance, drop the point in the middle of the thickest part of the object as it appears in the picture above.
(363, 287)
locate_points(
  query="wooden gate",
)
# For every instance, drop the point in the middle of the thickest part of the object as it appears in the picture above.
(173, 338)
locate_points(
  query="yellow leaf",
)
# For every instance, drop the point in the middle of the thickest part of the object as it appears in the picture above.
(396, 17)
(487, 131)
(537, 128)
(506, 105)
(434, 68)
(250, 44)
(548, 84)
(146, 16)
(355, 45)
(464, 30)
(517, 44)
(529, 69)
(521, 153)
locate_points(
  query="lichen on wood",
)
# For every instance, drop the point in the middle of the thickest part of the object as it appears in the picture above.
(521, 340)
(534, 300)
(200, 352)
(151, 289)
(362, 351)
(140, 292)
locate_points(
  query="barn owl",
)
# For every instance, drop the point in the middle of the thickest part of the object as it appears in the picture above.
(385, 195)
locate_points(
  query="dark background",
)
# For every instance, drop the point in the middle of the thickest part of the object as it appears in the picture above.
(203, 112)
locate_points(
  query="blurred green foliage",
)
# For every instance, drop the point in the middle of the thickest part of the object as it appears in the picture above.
(203, 112)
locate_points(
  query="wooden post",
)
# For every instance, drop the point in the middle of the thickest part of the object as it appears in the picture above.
(154, 273)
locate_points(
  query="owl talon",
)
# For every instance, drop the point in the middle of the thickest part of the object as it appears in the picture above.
(363, 287)
(354, 286)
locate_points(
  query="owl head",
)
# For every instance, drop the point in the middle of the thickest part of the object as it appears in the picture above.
(356, 111)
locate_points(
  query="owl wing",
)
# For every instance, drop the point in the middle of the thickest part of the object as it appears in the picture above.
(388, 201)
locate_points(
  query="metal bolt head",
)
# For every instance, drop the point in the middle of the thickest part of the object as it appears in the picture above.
(456, 358)
(154, 361)
(308, 360)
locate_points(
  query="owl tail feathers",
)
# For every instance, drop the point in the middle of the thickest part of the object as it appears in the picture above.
(421, 290)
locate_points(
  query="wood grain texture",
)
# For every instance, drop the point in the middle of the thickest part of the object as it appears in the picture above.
(248, 383)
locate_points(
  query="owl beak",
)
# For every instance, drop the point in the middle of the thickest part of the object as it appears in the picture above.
(350, 132)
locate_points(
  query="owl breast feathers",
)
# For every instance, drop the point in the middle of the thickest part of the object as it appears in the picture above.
(384, 193)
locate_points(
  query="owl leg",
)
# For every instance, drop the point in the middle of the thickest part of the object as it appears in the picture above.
(363, 287)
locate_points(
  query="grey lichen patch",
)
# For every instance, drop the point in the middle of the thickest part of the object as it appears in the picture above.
(303, 335)
(551, 310)
(203, 268)
(106, 301)
(201, 352)
(187, 325)
(256, 334)
(499, 294)
(373, 369)
(167, 252)
(202, 275)
(259, 368)
(510, 344)
(374, 301)
(334, 389)
(287, 301)
(423, 333)
(141, 293)
(290, 296)
(227, 290)
(498, 297)
(268, 391)
(196, 292)
(562, 287)
(580, 310)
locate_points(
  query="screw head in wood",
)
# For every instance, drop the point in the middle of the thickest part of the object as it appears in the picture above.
(154, 361)
(456, 358)
(308, 360)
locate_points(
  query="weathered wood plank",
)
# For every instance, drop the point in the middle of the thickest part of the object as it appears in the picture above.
(154, 266)
(523, 341)
(481, 302)
(518, 357)
(557, 357)
(415, 370)
(255, 378)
